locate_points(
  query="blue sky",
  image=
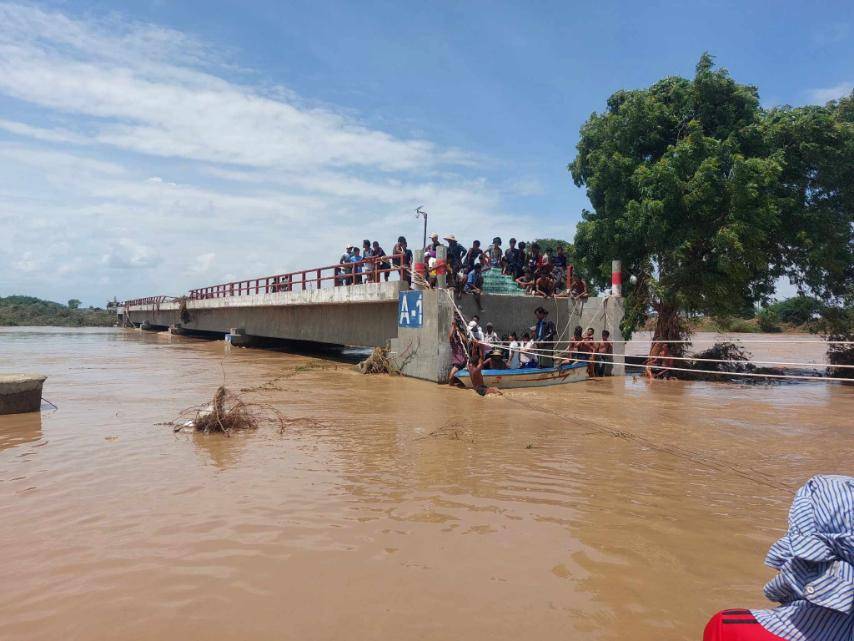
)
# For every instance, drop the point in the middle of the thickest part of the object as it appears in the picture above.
(151, 147)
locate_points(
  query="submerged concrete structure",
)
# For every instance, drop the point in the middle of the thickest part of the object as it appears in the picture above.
(20, 393)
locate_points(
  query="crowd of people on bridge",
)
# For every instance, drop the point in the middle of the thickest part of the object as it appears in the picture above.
(484, 348)
(535, 271)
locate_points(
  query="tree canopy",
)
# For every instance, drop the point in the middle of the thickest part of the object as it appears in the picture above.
(708, 198)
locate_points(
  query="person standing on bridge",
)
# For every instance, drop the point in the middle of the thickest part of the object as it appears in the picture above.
(343, 272)
(402, 258)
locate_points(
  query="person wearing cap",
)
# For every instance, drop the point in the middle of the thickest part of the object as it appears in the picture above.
(495, 359)
(402, 259)
(815, 581)
(544, 334)
(491, 339)
(343, 273)
(433, 244)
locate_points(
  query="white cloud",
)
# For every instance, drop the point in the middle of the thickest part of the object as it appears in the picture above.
(138, 99)
(821, 96)
(126, 253)
(226, 180)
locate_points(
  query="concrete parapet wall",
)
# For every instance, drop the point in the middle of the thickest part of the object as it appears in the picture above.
(425, 352)
(361, 315)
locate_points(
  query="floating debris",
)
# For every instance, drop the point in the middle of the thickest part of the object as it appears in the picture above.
(226, 413)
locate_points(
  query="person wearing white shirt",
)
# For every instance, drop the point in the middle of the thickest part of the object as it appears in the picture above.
(527, 359)
(513, 361)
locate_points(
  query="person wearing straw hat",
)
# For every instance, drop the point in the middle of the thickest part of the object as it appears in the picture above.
(815, 581)
(455, 254)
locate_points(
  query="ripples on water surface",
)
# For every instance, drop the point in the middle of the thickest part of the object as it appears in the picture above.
(398, 509)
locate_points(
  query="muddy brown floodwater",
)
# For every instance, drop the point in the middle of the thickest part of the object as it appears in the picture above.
(389, 508)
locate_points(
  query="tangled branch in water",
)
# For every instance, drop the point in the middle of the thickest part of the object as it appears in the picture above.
(226, 413)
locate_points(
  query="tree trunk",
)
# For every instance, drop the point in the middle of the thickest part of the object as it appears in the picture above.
(669, 326)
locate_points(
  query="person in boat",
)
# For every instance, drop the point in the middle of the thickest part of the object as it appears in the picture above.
(658, 362)
(459, 354)
(544, 334)
(513, 360)
(605, 355)
(527, 357)
(475, 369)
(474, 283)
(402, 259)
(495, 359)
(474, 329)
(491, 337)
(815, 581)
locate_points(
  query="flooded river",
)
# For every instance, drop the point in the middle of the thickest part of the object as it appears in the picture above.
(389, 508)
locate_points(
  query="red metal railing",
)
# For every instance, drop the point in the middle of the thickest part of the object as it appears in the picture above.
(148, 300)
(364, 271)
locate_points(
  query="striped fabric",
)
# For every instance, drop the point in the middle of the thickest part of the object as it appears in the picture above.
(815, 559)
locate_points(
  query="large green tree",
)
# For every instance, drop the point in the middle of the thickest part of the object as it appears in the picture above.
(694, 189)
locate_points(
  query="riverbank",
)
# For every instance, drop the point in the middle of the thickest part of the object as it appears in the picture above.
(28, 311)
(389, 507)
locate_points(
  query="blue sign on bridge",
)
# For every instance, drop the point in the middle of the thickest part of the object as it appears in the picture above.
(410, 312)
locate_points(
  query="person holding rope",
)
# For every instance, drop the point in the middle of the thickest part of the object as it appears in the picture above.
(459, 352)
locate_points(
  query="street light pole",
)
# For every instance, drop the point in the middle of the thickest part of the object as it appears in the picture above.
(419, 212)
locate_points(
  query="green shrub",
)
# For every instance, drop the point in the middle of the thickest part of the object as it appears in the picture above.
(769, 321)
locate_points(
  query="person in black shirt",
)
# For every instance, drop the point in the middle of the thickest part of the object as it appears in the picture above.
(473, 256)
(513, 260)
(456, 252)
(402, 257)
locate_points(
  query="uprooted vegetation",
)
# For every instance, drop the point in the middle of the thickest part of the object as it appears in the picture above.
(378, 362)
(226, 413)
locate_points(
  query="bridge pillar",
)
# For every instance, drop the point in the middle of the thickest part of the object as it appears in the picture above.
(237, 336)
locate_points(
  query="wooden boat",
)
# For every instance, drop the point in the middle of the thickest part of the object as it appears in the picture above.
(529, 377)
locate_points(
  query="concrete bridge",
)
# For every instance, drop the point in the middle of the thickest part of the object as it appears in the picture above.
(324, 306)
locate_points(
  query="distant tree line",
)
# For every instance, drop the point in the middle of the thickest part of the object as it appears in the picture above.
(30, 311)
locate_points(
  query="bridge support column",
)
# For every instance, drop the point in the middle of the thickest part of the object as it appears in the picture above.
(237, 336)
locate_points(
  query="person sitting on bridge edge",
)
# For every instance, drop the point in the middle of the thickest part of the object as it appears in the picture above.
(402, 259)
(474, 283)
(815, 583)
